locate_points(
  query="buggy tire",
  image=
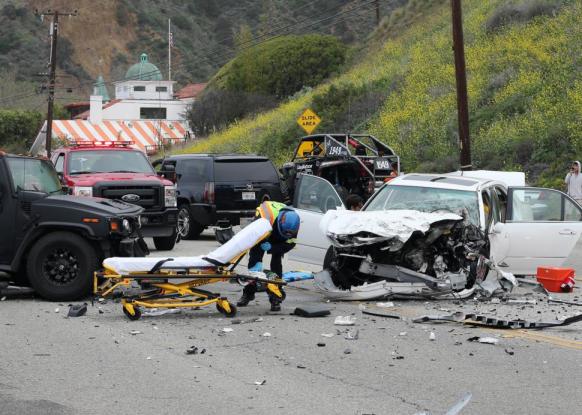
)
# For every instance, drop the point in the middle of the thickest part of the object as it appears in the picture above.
(60, 266)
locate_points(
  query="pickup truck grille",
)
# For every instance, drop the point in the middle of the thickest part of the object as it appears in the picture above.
(149, 197)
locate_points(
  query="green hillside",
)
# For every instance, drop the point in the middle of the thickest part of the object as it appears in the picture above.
(524, 84)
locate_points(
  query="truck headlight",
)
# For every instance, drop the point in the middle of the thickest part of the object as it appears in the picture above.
(83, 191)
(170, 196)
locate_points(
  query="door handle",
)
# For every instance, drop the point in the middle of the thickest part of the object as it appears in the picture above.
(567, 232)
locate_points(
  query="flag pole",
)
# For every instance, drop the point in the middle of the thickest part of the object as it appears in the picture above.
(169, 50)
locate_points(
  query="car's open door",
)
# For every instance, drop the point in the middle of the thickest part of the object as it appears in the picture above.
(313, 197)
(541, 228)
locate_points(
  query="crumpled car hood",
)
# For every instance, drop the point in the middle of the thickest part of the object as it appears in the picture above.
(362, 228)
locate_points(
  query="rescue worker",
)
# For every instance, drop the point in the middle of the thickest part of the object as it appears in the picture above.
(285, 223)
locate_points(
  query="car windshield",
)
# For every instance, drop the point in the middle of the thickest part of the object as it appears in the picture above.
(34, 174)
(426, 199)
(108, 161)
(245, 170)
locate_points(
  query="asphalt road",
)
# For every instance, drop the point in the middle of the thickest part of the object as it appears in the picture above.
(51, 364)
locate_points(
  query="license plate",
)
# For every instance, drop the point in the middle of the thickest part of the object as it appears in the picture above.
(248, 195)
(245, 221)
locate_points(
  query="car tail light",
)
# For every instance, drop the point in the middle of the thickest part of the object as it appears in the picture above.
(208, 192)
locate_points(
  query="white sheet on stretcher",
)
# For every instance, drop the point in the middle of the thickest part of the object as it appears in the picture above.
(241, 242)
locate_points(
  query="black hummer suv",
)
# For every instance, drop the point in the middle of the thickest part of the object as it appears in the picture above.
(55, 241)
(219, 189)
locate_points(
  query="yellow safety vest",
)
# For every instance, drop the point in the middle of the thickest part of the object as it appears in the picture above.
(270, 211)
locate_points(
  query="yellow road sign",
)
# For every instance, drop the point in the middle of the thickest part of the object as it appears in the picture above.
(308, 120)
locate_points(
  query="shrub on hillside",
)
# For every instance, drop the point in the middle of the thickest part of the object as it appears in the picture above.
(18, 129)
(216, 109)
(521, 12)
(282, 66)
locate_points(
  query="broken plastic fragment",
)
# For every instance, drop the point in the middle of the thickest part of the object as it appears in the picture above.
(327, 334)
(77, 310)
(352, 336)
(385, 305)
(134, 332)
(260, 383)
(344, 321)
(432, 336)
(266, 334)
(227, 330)
(485, 340)
(154, 312)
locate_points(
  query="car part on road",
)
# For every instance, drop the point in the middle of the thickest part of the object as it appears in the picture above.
(223, 235)
(480, 320)
(311, 311)
(77, 310)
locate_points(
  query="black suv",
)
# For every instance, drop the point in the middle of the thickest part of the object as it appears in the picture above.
(219, 189)
(55, 241)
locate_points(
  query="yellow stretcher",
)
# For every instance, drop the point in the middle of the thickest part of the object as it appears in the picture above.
(174, 282)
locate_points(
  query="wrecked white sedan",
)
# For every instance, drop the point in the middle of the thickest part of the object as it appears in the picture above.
(432, 235)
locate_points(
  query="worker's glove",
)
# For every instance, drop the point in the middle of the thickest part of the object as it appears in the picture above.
(266, 246)
(258, 267)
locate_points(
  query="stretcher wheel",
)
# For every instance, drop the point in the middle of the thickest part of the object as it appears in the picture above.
(230, 313)
(136, 311)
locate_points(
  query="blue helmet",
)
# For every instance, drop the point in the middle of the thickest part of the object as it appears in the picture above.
(288, 223)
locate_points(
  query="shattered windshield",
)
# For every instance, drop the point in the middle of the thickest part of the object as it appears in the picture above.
(34, 174)
(108, 161)
(426, 199)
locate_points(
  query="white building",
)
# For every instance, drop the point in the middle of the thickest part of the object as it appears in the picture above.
(145, 110)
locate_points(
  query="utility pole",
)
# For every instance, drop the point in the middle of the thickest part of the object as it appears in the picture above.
(461, 78)
(53, 33)
(377, 4)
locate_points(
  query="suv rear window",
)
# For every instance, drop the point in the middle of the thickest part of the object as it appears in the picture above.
(245, 170)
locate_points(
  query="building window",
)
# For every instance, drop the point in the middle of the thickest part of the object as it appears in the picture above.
(152, 113)
(139, 88)
(161, 89)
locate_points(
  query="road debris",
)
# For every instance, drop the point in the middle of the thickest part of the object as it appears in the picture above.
(379, 313)
(402, 333)
(484, 340)
(311, 311)
(432, 336)
(320, 344)
(329, 335)
(227, 330)
(266, 334)
(135, 332)
(387, 304)
(77, 310)
(344, 321)
(348, 351)
(251, 320)
(352, 335)
(195, 350)
(57, 310)
(155, 312)
(260, 383)
(481, 320)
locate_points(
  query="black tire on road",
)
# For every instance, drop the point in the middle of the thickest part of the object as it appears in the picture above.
(165, 243)
(60, 266)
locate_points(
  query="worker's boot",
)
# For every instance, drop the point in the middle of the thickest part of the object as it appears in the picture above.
(247, 296)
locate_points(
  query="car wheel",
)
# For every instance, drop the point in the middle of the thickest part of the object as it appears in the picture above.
(184, 221)
(165, 243)
(188, 228)
(61, 265)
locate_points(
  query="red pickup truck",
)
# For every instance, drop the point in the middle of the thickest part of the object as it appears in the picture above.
(115, 170)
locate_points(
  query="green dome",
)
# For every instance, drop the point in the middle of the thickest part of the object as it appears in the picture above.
(143, 71)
